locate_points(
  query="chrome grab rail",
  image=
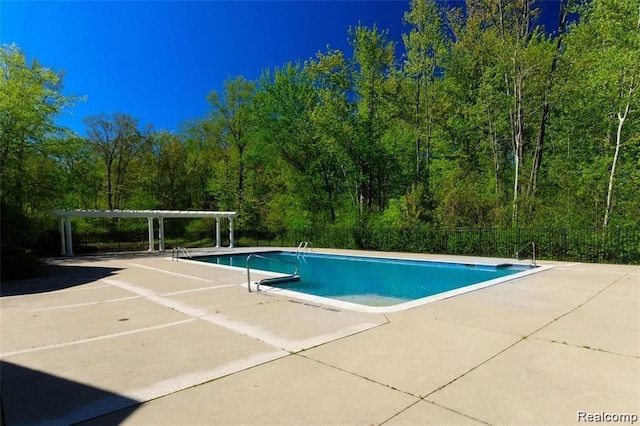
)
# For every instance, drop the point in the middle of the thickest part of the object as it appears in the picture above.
(533, 252)
(175, 253)
(253, 255)
(303, 247)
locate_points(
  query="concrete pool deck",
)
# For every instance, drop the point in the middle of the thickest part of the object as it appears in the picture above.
(139, 339)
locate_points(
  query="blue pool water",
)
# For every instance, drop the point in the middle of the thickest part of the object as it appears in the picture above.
(367, 280)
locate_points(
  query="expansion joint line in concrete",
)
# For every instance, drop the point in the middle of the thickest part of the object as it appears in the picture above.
(587, 348)
(418, 397)
(301, 354)
(357, 375)
(437, 405)
(252, 331)
(175, 274)
(96, 338)
(528, 335)
(81, 305)
(575, 309)
(300, 351)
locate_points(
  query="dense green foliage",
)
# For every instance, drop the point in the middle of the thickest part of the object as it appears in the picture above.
(487, 120)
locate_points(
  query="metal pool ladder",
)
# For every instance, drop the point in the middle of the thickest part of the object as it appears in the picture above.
(286, 278)
(303, 247)
(175, 253)
(533, 252)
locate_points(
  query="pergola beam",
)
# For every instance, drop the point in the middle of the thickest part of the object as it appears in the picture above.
(144, 213)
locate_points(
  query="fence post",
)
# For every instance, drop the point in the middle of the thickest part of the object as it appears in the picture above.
(446, 240)
(618, 246)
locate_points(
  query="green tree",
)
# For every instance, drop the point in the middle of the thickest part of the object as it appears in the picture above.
(334, 117)
(30, 100)
(118, 141)
(499, 70)
(77, 162)
(548, 97)
(604, 52)
(373, 62)
(207, 164)
(233, 113)
(426, 46)
(172, 181)
(286, 107)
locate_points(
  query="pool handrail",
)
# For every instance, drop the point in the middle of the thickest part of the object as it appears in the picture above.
(175, 253)
(303, 247)
(533, 252)
(253, 255)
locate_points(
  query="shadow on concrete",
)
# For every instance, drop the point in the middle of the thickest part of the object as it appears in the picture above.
(55, 277)
(115, 418)
(35, 397)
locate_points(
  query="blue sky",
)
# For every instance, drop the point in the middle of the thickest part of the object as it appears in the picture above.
(158, 60)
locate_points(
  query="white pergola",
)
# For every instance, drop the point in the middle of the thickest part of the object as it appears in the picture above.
(64, 217)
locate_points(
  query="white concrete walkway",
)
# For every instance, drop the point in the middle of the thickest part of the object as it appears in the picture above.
(143, 340)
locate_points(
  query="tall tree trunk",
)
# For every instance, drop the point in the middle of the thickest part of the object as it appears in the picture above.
(418, 141)
(240, 175)
(109, 189)
(428, 172)
(544, 118)
(328, 189)
(522, 37)
(494, 148)
(621, 119)
(517, 130)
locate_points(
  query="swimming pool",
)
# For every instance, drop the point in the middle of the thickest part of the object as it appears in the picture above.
(371, 283)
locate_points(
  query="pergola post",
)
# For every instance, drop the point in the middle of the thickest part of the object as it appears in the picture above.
(68, 240)
(63, 248)
(217, 232)
(151, 243)
(230, 232)
(161, 233)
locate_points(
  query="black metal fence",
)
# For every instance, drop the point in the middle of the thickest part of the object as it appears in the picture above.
(104, 242)
(609, 245)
